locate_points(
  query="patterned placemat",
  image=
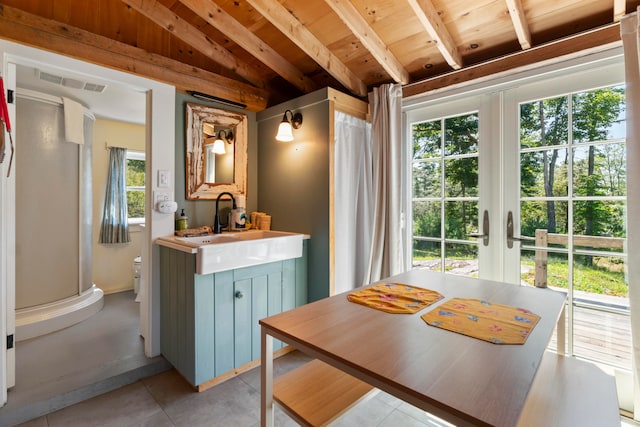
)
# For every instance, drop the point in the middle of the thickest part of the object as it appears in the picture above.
(395, 297)
(496, 323)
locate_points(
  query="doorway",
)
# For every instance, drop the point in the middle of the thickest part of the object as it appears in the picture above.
(525, 181)
(159, 145)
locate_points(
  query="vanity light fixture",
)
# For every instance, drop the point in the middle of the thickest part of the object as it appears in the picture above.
(285, 132)
(218, 144)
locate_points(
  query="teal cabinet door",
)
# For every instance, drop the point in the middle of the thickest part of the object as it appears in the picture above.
(210, 322)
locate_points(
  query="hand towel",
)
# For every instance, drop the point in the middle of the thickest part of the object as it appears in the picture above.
(73, 121)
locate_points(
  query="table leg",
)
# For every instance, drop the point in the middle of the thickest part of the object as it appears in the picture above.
(266, 380)
(561, 332)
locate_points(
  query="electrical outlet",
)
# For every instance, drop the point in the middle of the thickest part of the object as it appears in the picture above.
(161, 196)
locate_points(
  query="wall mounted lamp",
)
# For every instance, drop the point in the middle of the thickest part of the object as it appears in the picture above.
(285, 132)
(219, 141)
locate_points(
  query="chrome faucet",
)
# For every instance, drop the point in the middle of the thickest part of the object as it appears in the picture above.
(217, 227)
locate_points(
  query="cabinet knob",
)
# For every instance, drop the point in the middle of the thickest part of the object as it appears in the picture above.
(239, 294)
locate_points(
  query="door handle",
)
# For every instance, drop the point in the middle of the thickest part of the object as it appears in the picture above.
(485, 229)
(510, 237)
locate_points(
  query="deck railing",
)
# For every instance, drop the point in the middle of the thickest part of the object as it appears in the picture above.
(543, 239)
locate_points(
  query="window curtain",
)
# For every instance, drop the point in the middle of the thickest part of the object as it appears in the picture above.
(631, 44)
(353, 208)
(115, 228)
(387, 246)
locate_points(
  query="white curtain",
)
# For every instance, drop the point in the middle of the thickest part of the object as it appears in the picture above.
(353, 209)
(631, 44)
(387, 246)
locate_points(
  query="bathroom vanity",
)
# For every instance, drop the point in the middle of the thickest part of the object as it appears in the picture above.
(215, 288)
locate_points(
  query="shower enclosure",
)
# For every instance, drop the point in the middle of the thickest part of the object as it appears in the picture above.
(53, 217)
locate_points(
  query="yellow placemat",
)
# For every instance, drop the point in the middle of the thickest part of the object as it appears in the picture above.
(496, 323)
(395, 297)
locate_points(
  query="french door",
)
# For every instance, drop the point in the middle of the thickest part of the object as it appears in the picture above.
(526, 183)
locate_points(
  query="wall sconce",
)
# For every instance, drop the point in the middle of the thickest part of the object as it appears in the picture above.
(220, 139)
(285, 132)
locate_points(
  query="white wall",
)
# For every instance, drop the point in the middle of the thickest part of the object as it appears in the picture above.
(112, 264)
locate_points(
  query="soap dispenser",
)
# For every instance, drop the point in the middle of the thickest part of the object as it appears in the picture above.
(182, 223)
(239, 215)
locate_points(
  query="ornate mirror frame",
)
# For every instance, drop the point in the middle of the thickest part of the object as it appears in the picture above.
(196, 187)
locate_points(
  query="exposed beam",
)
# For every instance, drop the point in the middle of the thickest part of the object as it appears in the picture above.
(54, 36)
(284, 21)
(519, 22)
(609, 35)
(430, 20)
(234, 30)
(619, 9)
(180, 28)
(369, 39)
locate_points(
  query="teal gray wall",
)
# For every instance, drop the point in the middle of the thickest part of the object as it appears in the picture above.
(293, 180)
(201, 212)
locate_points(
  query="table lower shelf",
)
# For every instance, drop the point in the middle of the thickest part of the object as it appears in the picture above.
(315, 394)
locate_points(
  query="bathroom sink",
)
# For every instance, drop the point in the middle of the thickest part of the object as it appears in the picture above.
(228, 251)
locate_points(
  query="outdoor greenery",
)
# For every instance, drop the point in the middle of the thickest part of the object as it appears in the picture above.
(135, 188)
(572, 171)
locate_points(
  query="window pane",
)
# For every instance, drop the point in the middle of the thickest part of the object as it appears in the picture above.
(135, 204)
(599, 218)
(426, 179)
(461, 135)
(427, 140)
(427, 219)
(549, 215)
(426, 255)
(543, 173)
(461, 177)
(461, 259)
(135, 173)
(461, 219)
(602, 276)
(544, 123)
(598, 115)
(600, 170)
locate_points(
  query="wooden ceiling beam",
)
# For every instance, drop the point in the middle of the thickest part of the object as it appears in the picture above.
(428, 16)
(181, 29)
(288, 25)
(519, 22)
(369, 39)
(603, 36)
(32, 30)
(217, 17)
(619, 9)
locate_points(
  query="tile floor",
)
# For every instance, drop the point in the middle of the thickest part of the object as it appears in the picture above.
(166, 399)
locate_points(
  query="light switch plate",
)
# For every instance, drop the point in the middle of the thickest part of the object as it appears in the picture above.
(163, 178)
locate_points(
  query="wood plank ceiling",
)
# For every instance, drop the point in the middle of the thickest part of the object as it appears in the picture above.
(262, 52)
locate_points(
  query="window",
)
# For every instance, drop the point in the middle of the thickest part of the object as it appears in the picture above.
(135, 186)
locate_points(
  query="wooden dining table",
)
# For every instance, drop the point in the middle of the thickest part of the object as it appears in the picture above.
(463, 380)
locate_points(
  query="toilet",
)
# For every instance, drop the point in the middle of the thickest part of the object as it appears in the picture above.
(137, 266)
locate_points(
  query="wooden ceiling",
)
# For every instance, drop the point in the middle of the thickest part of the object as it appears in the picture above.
(261, 52)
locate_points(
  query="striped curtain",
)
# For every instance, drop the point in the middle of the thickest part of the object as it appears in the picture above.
(115, 228)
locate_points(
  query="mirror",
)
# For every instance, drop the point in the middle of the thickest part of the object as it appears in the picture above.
(209, 170)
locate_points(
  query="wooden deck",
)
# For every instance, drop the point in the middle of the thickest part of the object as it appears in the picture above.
(601, 337)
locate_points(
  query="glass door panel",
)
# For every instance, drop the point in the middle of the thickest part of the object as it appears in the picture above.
(446, 193)
(572, 203)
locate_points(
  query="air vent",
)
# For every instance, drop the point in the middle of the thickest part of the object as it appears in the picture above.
(93, 87)
(50, 78)
(71, 83)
